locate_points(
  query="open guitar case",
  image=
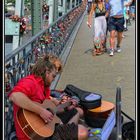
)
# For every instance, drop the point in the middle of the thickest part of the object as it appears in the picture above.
(87, 100)
(127, 129)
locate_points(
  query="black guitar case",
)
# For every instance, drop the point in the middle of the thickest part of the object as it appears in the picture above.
(88, 100)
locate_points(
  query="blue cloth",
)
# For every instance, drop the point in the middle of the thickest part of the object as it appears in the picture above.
(92, 97)
(107, 6)
(132, 9)
(117, 7)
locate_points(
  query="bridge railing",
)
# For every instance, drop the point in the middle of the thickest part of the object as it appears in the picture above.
(50, 40)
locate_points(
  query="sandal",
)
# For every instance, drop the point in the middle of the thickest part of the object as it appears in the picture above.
(95, 52)
(99, 53)
(103, 48)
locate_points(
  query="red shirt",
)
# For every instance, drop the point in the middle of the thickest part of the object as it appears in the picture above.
(33, 87)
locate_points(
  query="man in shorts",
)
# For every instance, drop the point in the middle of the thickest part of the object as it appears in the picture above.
(116, 24)
(36, 88)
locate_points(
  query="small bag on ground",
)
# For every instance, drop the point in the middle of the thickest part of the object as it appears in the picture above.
(128, 131)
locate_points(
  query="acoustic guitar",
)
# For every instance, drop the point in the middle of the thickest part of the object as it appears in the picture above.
(34, 126)
(101, 112)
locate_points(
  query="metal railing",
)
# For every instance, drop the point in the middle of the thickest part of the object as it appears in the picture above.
(50, 40)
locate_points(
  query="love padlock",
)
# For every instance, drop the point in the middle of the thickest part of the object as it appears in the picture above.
(31, 65)
(8, 76)
(48, 39)
(21, 61)
(8, 65)
(45, 8)
(47, 17)
(14, 71)
(7, 87)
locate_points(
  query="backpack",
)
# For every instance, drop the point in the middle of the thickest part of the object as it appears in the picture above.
(128, 131)
(95, 122)
(88, 100)
(128, 128)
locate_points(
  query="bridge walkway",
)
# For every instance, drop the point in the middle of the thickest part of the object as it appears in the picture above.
(102, 74)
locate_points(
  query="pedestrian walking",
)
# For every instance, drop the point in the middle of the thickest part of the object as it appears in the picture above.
(89, 4)
(116, 24)
(132, 9)
(127, 6)
(100, 25)
(125, 19)
(107, 6)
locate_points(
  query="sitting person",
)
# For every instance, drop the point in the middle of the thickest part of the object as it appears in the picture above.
(55, 60)
(36, 88)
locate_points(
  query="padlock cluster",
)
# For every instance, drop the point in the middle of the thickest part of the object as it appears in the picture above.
(45, 8)
(45, 13)
(55, 38)
(15, 18)
(53, 41)
(21, 20)
(22, 25)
